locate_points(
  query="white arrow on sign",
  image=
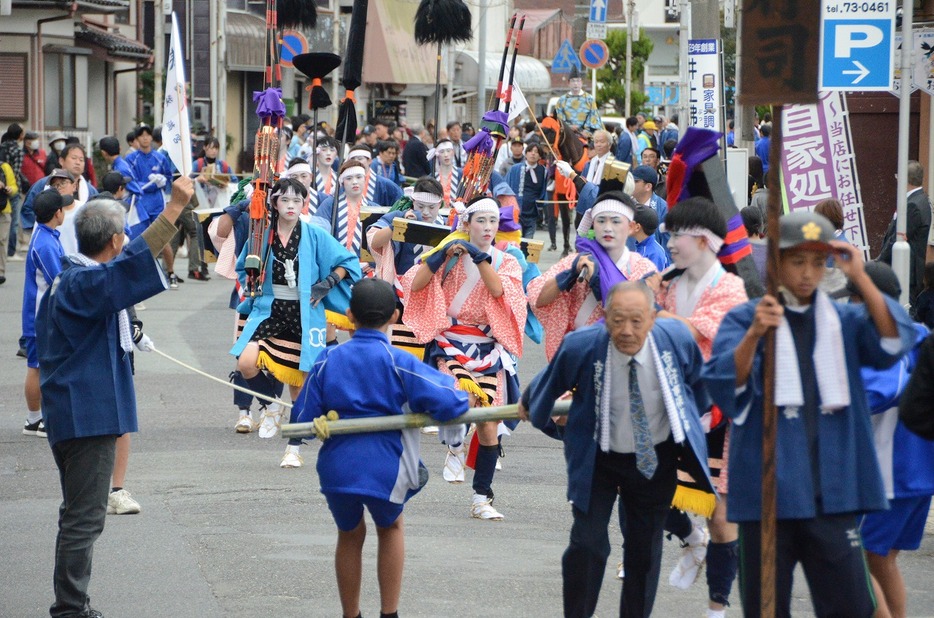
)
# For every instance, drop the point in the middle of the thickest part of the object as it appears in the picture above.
(860, 71)
(598, 10)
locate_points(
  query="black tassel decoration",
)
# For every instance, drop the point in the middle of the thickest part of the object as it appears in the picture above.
(442, 22)
(316, 66)
(296, 13)
(352, 72)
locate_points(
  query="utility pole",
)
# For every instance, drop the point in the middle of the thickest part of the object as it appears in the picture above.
(629, 8)
(220, 103)
(158, 60)
(481, 64)
(684, 33)
(901, 252)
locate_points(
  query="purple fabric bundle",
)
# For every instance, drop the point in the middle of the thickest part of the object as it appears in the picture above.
(269, 103)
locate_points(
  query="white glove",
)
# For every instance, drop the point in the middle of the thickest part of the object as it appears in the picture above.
(564, 168)
(158, 179)
(145, 344)
(452, 434)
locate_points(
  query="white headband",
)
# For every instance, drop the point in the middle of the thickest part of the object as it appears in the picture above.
(615, 207)
(441, 148)
(360, 152)
(486, 204)
(352, 171)
(713, 241)
(298, 168)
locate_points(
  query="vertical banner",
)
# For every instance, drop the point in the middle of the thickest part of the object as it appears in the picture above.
(705, 84)
(176, 131)
(818, 162)
(781, 41)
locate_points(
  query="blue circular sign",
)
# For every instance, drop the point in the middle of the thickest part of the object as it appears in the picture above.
(292, 44)
(594, 53)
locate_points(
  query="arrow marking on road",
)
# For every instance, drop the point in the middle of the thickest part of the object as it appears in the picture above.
(860, 71)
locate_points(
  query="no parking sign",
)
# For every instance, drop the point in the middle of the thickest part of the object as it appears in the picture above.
(293, 43)
(594, 53)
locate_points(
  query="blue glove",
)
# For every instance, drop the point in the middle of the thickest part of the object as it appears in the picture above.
(235, 210)
(436, 259)
(474, 252)
(568, 278)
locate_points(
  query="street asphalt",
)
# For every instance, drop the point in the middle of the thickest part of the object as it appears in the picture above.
(224, 532)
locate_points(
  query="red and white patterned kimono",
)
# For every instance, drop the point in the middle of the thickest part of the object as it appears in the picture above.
(715, 294)
(577, 307)
(460, 294)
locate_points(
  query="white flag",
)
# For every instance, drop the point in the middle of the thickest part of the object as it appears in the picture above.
(518, 104)
(176, 127)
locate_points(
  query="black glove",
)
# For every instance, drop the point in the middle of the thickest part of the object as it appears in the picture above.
(137, 330)
(321, 289)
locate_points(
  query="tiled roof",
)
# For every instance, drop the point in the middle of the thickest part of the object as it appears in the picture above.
(116, 45)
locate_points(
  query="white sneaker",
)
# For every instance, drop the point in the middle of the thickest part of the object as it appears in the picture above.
(122, 503)
(139, 307)
(499, 463)
(430, 429)
(454, 466)
(688, 568)
(291, 459)
(482, 508)
(16, 257)
(270, 421)
(620, 572)
(245, 424)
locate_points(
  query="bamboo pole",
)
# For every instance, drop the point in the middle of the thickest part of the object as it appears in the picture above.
(769, 412)
(413, 421)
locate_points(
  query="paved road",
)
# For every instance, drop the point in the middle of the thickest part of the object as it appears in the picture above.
(225, 532)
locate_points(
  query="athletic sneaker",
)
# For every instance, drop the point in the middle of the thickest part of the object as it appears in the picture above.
(454, 466)
(692, 559)
(173, 281)
(291, 459)
(620, 572)
(90, 613)
(121, 503)
(482, 508)
(245, 424)
(270, 421)
(35, 429)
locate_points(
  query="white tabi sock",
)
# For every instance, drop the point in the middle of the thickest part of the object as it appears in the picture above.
(696, 537)
(293, 448)
(33, 417)
(716, 613)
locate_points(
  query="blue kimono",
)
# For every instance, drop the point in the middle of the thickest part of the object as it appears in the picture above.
(319, 254)
(847, 466)
(382, 191)
(152, 198)
(382, 464)
(87, 380)
(578, 365)
(389, 172)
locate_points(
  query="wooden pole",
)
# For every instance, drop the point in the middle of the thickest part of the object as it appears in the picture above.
(769, 412)
(413, 421)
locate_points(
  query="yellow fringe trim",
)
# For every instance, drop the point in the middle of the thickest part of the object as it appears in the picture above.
(339, 320)
(286, 375)
(417, 352)
(694, 501)
(469, 386)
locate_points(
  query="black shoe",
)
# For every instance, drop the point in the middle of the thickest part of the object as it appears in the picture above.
(2, 279)
(90, 613)
(21, 352)
(566, 252)
(35, 429)
(553, 247)
(198, 276)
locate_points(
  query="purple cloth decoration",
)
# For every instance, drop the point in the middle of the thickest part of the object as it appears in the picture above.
(497, 116)
(269, 103)
(481, 141)
(610, 275)
(695, 147)
(507, 222)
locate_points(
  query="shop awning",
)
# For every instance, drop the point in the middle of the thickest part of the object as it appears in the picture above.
(82, 6)
(115, 46)
(391, 55)
(246, 41)
(531, 75)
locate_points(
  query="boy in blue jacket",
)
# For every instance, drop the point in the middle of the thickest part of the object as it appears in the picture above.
(379, 470)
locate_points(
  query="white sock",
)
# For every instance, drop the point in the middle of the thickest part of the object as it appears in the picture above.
(246, 412)
(696, 537)
(457, 449)
(716, 613)
(293, 448)
(33, 417)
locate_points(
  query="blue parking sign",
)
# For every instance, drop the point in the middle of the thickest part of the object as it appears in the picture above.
(856, 54)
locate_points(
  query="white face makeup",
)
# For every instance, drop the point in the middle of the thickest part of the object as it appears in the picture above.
(303, 177)
(446, 156)
(426, 212)
(289, 206)
(482, 229)
(685, 250)
(353, 182)
(326, 155)
(611, 230)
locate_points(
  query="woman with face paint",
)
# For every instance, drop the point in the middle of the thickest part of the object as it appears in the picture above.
(700, 297)
(284, 328)
(465, 300)
(448, 174)
(571, 293)
(351, 201)
(325, 177)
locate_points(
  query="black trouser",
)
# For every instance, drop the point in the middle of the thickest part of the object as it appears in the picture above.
(830, 551)
(84, 466)
(188, 225)
(646, 502)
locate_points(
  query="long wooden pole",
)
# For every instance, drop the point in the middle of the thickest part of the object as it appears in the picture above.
(769, 412)
(413, 421)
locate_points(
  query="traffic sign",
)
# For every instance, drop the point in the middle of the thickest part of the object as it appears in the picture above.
(598, 10)
(596, 30)
(565, 59)
(292, 43)
(594, 54)
(857, 45)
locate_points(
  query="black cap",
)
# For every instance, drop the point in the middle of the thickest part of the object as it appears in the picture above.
(882, 276)
(110, 145)
(805, 230)
(112, 181)
(48, 202)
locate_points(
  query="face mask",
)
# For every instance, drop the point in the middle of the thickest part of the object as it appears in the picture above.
(33, 144)
(58, 146)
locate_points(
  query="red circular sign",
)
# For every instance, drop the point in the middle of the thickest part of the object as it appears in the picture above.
(594, 53)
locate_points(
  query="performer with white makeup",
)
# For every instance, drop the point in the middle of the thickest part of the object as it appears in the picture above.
(325, 177)
(350, 203)
(571, 293)
(465, 300)
(700, 297)
(300, 170)
(379, 191)
(448, 174)
(285, 328)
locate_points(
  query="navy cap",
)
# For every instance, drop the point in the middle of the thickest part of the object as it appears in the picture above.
(646, 174)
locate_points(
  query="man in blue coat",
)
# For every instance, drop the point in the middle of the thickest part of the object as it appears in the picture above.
(84, 340)
(635, 413)
(826, 466)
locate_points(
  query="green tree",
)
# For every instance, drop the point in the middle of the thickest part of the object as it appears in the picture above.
(612, 77)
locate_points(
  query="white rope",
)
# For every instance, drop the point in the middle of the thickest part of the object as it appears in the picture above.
(224, 382)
